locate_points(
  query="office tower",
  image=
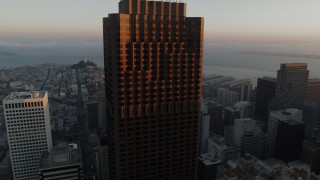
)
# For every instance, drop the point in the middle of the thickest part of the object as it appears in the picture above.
(313, 92)
(102, 113)
(252, 142)
(103, 155)
(204, 133)
(310, 117)
(292, 78)
(28, 131)
(266, 90)
(153, 64)
(311, 154)
(92, 115)
(240, 127)
(240, 110)
(263, 146)
(284, 100)
(221, 150)
(289, 140)
(62, 162)
(226, 97)
(276, 118)
(228, 134)
(230, 114)
(95, 114)
(245, 94)
(216, 121)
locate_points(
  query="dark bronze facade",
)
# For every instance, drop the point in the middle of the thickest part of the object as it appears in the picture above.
(153, 67)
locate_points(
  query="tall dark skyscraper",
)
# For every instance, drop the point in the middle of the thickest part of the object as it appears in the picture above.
(266, 89)
(285, 134)
(289, 140)
(216, 121)
(153, 67)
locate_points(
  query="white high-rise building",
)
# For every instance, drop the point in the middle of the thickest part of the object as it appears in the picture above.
(240, 128)
(28, 131)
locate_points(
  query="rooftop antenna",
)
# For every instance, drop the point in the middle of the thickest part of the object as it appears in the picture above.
(85, 60)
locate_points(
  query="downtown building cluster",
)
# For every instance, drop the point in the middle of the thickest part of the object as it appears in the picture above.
(160, 120)
(274, 135)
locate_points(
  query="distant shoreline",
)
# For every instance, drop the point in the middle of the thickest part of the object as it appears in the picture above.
(291, 55)
(38, 66)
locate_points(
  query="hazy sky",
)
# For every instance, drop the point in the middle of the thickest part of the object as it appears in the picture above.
(225, 20)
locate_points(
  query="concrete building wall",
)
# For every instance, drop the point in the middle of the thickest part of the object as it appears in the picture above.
(28, 131)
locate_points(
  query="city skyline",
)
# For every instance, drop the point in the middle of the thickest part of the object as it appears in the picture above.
(227, 90)
(290, 20)
(276, 32)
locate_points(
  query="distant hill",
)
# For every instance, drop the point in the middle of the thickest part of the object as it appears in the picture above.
(83, 64)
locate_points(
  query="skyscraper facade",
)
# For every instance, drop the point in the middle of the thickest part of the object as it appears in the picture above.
(216, 121)
(103, 155)
(251, 142)
(153, 67)
(292, 78)
(313, 92)
(245, 93)
(290, 117)
(266, 89)
(28, 131)
(284, 100)
(230, 114)
(204, 133)
(310, 117)
(289, 140)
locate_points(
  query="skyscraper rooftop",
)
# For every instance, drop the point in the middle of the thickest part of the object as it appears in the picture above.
(25, 95)
(164, 8)
(287, 66)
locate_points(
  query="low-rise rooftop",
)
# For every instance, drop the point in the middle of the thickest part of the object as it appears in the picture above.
(61, 156)
(209, 159)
